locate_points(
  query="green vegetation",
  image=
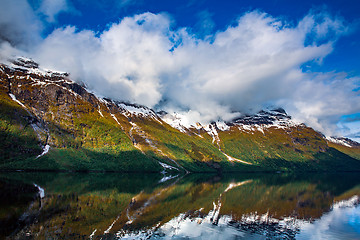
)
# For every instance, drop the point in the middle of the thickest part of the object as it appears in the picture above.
(295, 144)
(18, 139)
(296, 149)
(86, 160)
(353, 152)
(86, 134)
(80, 139)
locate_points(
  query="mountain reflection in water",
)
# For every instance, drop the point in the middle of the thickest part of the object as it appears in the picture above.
(149, 206)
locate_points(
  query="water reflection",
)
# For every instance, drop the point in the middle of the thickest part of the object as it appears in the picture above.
(151, 206)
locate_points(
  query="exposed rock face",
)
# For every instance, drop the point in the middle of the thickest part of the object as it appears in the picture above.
(344, 141)
(264, 117)
(65, 116)
(26, 63)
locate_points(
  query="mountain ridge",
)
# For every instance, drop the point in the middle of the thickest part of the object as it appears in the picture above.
(87, 132)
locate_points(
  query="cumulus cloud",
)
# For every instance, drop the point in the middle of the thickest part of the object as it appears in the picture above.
(254, 63)
(125, 63)
(19, 25)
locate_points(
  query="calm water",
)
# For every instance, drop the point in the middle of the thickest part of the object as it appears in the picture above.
(150, 206)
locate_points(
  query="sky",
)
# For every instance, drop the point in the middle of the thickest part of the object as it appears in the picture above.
(208, 60)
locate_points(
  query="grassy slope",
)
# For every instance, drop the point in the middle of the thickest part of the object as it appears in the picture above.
(83, 139)
(80, 139)
(353, 152)
(17, 138)
(195, 153)
(192, 152)
(298, 148)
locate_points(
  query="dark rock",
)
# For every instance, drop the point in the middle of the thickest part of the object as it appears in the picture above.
(262, 117)
(77, 89)
(348, 141)
(28, 63)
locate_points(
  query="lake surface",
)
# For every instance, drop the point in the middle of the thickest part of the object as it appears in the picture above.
(152, 206)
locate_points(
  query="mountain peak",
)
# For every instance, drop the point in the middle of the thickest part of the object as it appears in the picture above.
(28, 65)
(343, 141)
(65, 118)
(25, 62)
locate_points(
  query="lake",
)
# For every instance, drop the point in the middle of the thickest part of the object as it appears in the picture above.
(195, 206)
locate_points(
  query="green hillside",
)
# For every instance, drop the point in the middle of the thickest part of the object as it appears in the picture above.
(86, 133)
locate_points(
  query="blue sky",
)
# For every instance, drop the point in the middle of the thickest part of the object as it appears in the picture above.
(207, 59)
(97, 14)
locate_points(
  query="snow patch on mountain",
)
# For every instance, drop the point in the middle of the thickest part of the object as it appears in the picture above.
(211, 130)
(343, 141)
(39, 77)
(45, 151)
(167, 166)
(177, 121)
(14, 99)
(248, 123)
(222, 126)
(232, 159)
(99, 111)
(30, 66)
(138, 110)
(114, 117)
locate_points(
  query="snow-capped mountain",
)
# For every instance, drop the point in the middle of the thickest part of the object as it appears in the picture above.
(48, 116)
(343, 141)
(257, 122)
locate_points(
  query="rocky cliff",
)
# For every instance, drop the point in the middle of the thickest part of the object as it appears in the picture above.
(49, 122)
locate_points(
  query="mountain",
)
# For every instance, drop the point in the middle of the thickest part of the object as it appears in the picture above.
(49, 122)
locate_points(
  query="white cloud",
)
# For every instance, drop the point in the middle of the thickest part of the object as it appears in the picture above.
(125, 62)
(19, 24)
(51, 8)
(254, 63)
(321, 101)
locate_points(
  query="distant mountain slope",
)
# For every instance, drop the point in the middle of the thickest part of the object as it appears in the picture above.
(345, 145)
(49, 122)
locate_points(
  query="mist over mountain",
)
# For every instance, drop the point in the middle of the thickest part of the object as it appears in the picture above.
(50, 122)
(257, 61)
(178, 119)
